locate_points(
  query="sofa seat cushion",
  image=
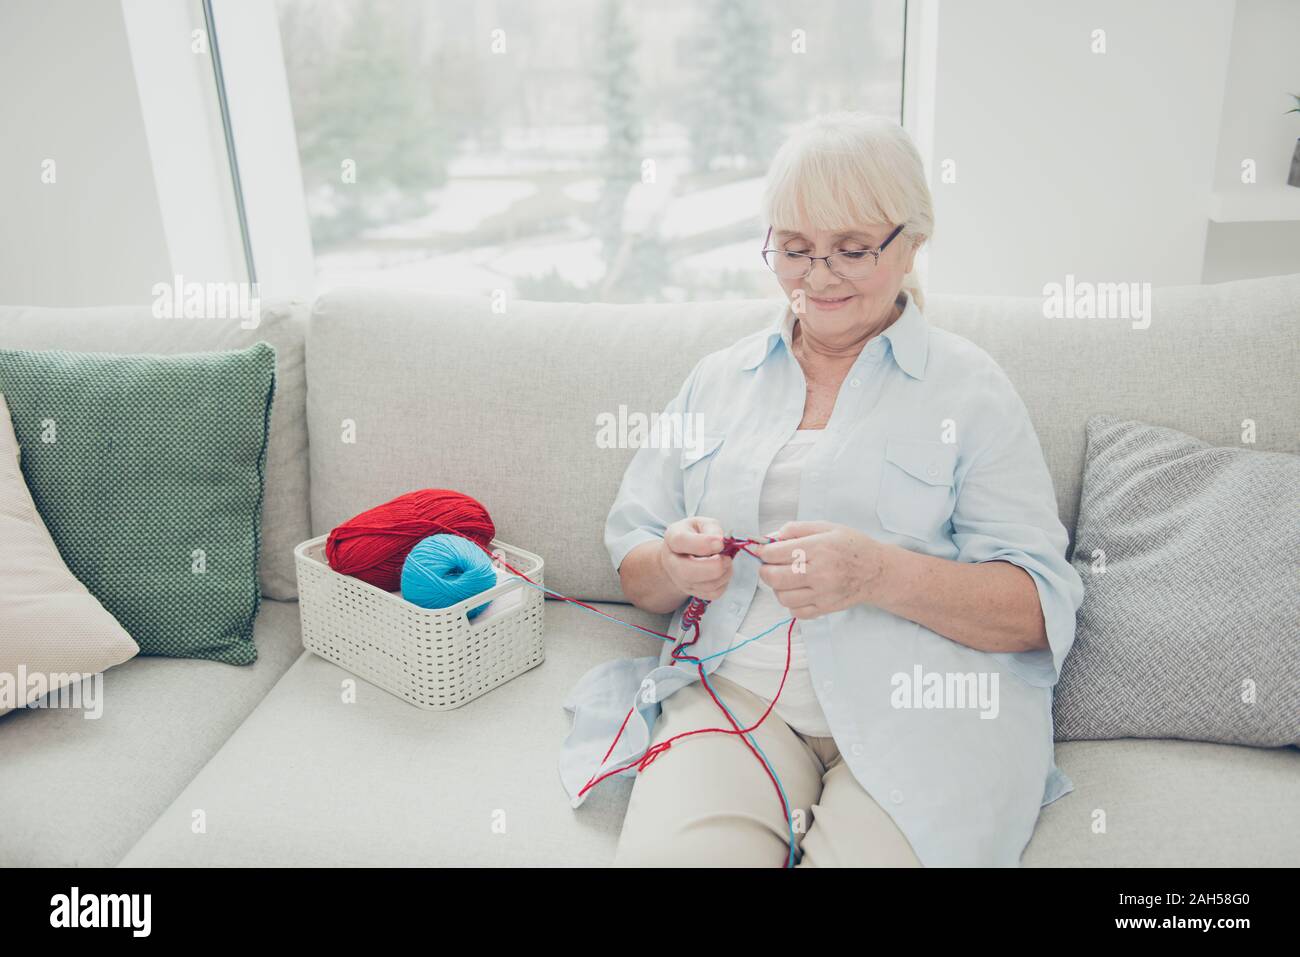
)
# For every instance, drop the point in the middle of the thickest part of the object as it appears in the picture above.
(1172, 804)
(310, 780)
(80, 792)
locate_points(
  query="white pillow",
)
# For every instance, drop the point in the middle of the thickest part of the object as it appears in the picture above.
(53, 631)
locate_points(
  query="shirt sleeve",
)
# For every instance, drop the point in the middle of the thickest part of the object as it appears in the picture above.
(1006, 511)
(650, 497)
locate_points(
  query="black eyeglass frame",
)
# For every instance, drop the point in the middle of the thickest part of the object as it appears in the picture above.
(875, 255)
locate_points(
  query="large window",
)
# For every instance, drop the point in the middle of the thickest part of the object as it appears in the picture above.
(571, 150)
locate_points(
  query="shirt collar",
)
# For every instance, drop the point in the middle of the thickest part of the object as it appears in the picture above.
(908, 337)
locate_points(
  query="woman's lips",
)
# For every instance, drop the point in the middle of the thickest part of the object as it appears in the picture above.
(829, 304)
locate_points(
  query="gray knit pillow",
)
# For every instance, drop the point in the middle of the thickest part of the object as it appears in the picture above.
(1193, 628)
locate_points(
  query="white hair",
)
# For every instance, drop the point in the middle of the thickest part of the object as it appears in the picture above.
(844, 170)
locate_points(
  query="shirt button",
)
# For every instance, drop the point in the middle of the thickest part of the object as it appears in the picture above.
(896, 796)
(856, 749)
(932, 470)
(855, 382)
(735, 606)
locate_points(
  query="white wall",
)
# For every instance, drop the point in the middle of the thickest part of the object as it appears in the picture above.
(121, 97)
(95, 235)
(1264, 68)
(1070, 161)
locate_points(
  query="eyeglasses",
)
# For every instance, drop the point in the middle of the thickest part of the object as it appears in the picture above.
(853, 264)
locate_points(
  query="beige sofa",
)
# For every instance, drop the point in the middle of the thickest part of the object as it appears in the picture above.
(201, 763)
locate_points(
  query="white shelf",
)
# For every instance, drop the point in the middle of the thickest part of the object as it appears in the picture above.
(1256, 204)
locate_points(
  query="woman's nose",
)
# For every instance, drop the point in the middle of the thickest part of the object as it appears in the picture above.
(821, 277)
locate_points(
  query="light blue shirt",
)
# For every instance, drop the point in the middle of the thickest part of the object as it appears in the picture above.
(931, 448)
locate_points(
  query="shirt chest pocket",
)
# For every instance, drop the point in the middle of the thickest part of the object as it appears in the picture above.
(696, 462)
(916, 495)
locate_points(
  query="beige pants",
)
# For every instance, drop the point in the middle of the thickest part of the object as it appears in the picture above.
(707, 802)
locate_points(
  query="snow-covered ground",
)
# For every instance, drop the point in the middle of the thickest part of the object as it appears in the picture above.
(709, 209)
(471, 271)
(486, 185)
(461, 207)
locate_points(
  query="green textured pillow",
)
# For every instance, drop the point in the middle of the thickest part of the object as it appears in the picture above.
(148, 472)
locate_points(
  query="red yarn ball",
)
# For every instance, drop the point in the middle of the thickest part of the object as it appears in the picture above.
(373, 545)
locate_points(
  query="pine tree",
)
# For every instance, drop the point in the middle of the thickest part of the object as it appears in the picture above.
(367, 99)
(620, 162)
(731, 114)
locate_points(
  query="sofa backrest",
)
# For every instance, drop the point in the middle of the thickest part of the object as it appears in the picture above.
(131, 329)
(412, 390)
(1211, 358)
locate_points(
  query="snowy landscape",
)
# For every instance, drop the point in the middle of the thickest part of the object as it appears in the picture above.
(499, 146)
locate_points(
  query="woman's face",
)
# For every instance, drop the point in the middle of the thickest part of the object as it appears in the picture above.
(837, 310)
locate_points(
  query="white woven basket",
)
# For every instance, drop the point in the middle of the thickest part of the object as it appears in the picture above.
(435, 659)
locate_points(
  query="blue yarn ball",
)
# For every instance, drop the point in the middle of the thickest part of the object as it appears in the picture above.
(444, 569)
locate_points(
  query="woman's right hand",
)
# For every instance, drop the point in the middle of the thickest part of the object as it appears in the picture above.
(691, 556)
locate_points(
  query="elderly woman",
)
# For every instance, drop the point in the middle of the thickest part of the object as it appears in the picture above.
(907, 709)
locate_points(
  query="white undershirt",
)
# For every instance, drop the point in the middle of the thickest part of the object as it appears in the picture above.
(759, 664)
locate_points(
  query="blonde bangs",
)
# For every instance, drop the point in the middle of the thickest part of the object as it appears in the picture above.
(846, 170)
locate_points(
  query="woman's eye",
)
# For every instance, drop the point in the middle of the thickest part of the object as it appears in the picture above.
(853, 254)
(791, 254)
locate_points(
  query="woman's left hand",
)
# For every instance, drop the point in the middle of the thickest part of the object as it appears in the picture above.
(820, 567)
